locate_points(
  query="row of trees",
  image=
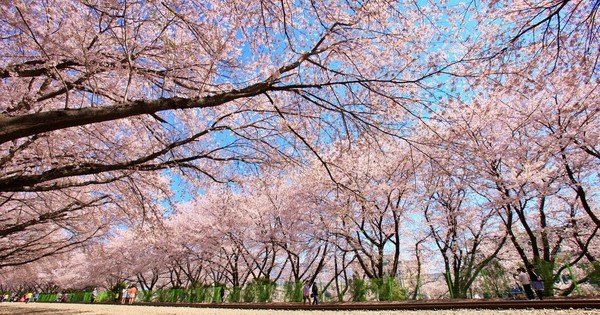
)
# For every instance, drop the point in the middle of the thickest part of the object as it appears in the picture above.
(384, 217)
(180, 143)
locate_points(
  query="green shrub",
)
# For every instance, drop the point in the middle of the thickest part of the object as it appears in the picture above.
(105, 296)
(248, 293)
(216, 294)
(48, 297)
(199, 294)
(265, 292)
(387, 289)
(358, 290)
(176, 294)
(235, 294)
(163, 295)
(592, 271)
(147, 295)
(76, 297)
(293, 291)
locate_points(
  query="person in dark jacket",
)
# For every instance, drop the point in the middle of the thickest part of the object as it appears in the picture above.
(315, 294)
(537, 283)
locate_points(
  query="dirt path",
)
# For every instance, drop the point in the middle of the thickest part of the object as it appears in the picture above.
(88, 309)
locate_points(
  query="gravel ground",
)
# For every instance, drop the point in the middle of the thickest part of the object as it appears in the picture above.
(87, 309)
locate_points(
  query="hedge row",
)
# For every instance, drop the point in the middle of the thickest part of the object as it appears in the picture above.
(387, 289)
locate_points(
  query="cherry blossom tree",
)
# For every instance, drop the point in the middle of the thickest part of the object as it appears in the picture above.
(99, 95)
(315, 117)
(524, 159)
(463, 231)
(379, 196)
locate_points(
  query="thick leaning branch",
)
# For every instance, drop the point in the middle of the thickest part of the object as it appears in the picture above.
(61, 214)
(30, 68)
(12, 128)
(30, 182)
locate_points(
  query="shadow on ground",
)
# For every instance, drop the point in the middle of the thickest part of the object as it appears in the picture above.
(37, 311)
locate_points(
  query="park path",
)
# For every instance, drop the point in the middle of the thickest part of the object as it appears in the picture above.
(98, 309)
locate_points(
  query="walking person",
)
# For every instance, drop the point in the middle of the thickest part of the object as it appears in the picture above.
(536, 281)
(315, 294)
(526, 283)
(131, 295)
(94, 295)
(306, 292)
(123, 295)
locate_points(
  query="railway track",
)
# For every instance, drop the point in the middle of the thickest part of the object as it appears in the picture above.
(437, 305)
